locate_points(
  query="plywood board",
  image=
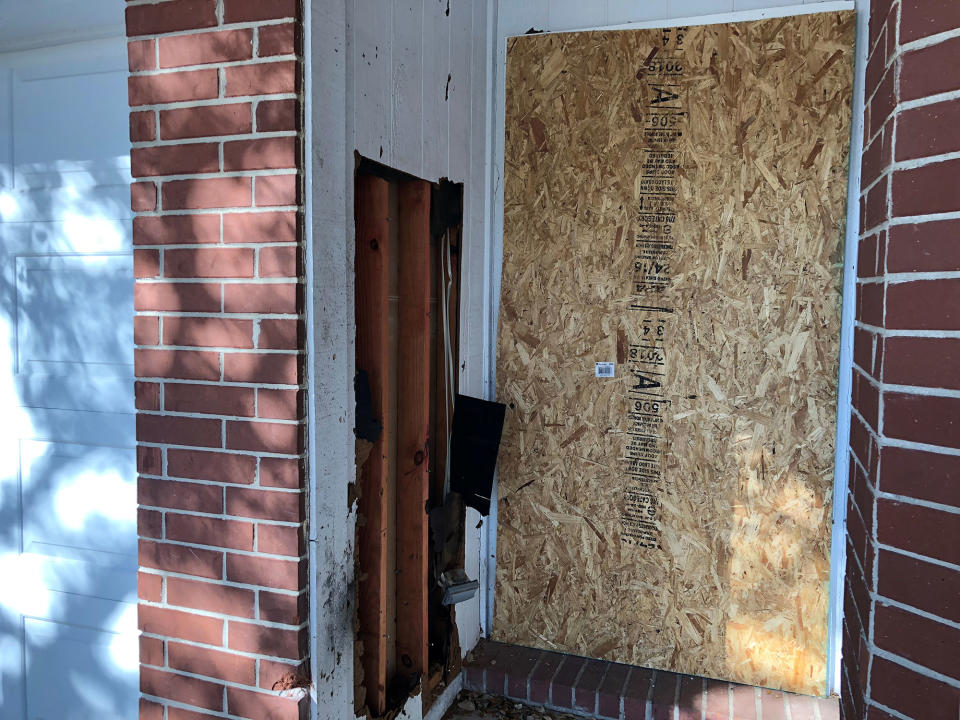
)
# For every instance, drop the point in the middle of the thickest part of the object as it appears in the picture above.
(674, 205)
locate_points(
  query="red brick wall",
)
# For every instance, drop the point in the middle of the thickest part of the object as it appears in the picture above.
(901, 654)
(214, 123)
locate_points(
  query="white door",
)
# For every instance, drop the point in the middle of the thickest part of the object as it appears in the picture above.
(68, 560)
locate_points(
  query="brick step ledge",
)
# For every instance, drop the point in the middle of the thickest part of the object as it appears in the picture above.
(612, 691)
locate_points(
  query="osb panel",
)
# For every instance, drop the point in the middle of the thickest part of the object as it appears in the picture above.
(674, 203)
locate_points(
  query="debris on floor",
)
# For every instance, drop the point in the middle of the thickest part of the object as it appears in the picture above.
(474, 706)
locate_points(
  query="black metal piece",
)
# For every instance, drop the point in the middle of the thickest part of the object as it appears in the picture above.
(474, 445)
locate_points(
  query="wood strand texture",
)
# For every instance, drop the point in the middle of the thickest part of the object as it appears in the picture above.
(675, 204)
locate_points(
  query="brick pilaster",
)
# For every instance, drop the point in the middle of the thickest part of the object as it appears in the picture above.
(901, 653)
(214, 95)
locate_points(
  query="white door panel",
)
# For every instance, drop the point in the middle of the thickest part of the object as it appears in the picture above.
(59, 136)
(62, 649)
(99, 225)
(85, 506)
(66, 311)
(68, 556)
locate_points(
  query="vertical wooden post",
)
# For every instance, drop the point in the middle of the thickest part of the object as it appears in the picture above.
(373, 348)
(413, 426)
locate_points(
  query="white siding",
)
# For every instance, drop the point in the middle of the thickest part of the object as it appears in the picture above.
(404, 83)
(413, 84)
(418, 86)
(516, 17)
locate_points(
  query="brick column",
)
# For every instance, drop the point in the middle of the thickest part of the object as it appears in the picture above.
(901, 654)
(222, 585)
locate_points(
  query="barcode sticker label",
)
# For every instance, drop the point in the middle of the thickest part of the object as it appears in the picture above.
(604, 369)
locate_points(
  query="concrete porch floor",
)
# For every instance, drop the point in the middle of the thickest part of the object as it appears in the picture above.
(480, 706)
(598, 689)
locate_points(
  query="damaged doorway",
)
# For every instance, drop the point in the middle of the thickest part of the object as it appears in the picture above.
(408, 235)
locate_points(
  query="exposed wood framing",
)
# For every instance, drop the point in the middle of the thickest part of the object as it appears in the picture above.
(406, 637)
(372, 283)
(413, 412)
